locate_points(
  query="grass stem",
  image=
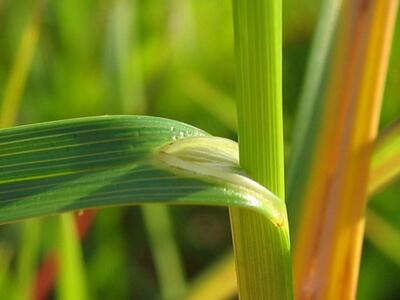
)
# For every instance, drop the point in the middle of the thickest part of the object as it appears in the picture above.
(262, 250)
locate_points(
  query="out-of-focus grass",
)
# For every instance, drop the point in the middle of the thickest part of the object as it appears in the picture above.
(71, 281)
(21, 65)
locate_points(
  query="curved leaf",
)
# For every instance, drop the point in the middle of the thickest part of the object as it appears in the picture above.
(91, 162)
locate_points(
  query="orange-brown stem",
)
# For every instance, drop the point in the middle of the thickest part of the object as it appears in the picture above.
(327, 255)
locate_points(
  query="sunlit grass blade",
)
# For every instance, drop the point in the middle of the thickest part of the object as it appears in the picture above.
(327, 251)
(164, 251)
(217, 282)
(385, 166)
(71, 281)
(122, 160)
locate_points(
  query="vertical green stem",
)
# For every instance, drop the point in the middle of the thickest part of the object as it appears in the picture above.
(262, 250)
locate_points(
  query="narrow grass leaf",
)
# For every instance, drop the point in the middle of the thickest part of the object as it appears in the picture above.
(164, 250)
(385, 166)
(93, 162)
(309, 114)
(71, 281)
(383, 235)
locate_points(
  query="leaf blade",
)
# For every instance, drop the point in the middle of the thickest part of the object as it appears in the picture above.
(102, 161)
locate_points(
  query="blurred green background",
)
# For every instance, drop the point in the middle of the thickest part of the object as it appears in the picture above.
(169, 58)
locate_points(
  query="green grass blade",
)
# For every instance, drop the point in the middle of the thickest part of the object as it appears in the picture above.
(385, 166)
(310, 106)
(164, 251)
(383, 236)
(123, 58)
(71, 281)
(93, 162)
